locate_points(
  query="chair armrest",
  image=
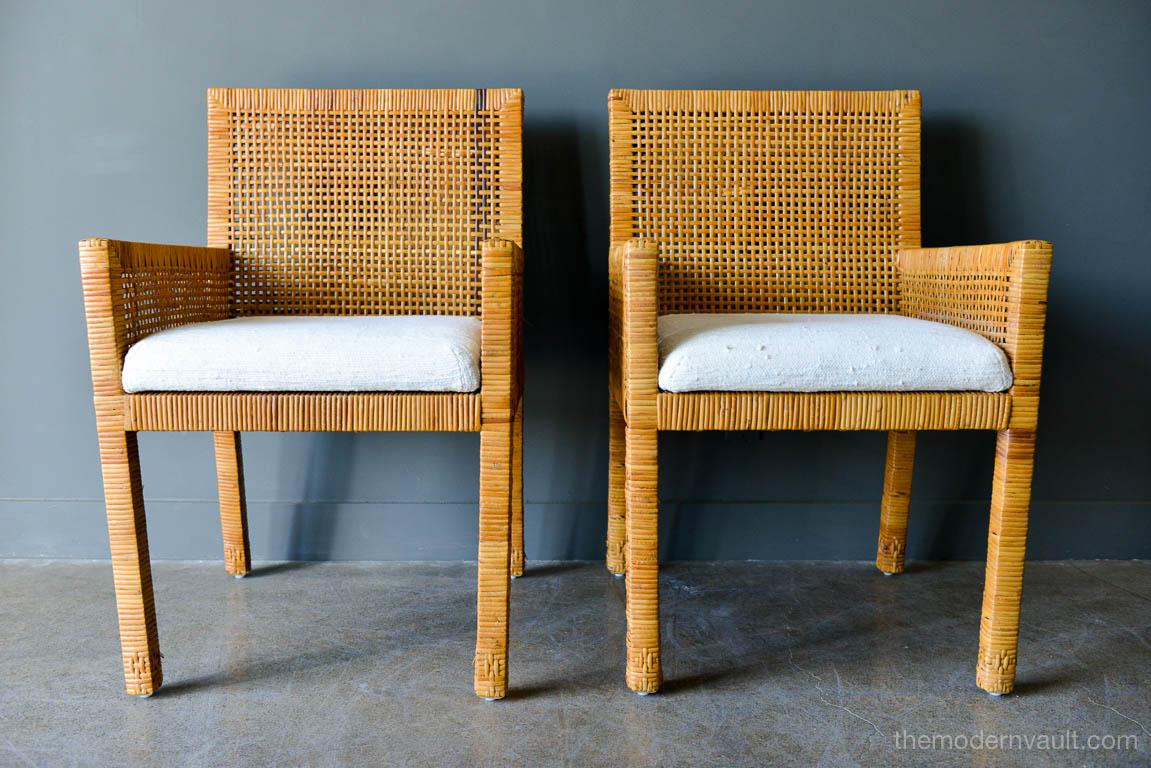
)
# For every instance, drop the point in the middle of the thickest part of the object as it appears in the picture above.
(134, 289)
(501, 341)
(633, 313)
(998, 291)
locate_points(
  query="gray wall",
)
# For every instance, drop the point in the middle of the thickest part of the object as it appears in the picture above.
(1036, 125)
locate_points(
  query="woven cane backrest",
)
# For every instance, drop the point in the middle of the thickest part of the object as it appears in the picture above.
(768, 201)
(345, 202)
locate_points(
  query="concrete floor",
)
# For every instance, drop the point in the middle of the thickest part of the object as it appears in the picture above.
(766, 663)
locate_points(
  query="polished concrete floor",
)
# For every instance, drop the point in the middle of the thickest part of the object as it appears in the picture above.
(766, 664)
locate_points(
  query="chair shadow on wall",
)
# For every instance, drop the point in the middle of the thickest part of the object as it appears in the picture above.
(327, 478)
(955, 211)
(565, 324)
(565, 305)
(314, 519)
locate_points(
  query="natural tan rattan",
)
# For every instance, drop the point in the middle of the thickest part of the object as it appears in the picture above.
(233, 504)
(326, 202)
(802, 202)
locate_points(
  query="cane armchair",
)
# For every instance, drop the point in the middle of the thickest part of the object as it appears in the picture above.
(335, 217)
(745, 213)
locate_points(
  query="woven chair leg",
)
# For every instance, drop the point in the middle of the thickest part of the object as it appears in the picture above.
(491, 661)
(233, 506)
(616, 496)
(1006, 544)
(896, 499)
(518, 492)
(131, 565)
(643, 648)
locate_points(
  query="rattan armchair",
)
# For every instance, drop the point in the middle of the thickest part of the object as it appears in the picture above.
(330, 203)
(804, 202)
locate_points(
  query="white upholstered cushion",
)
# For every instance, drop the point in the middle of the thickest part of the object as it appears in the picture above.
(401, 353)
(825, 353)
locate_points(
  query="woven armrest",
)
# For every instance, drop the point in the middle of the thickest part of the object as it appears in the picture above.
(633, 310)
(501, 368)
(134, 289)
(998, 291)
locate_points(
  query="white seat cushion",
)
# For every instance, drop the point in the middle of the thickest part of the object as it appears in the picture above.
(401, 353)
(825, 353)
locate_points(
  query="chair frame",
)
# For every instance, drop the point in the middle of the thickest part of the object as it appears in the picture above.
(472, 265)
(999, 291)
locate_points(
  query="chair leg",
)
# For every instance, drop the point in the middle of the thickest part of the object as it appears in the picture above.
(518, 492)
(233, 506)
(616, 496)
(493, 587)
(896, 498)
(131, 565)
(642, 560)
(1006, 544)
